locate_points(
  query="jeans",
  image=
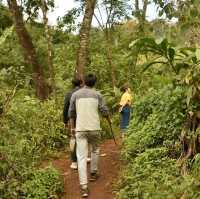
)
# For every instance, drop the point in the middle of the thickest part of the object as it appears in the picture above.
(125, 117)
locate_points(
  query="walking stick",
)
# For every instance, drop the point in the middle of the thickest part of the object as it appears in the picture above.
(111, 130)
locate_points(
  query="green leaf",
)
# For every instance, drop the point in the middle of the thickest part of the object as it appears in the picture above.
(171, 53)
(147, 65)
(159, 40)
(133, 43)
(189, 95)
(6, 34)
(181, 65)
(164, 44)
(197, 53)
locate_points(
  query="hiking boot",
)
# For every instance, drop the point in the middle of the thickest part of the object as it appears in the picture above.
(84, 192)
(74, 165)
(93, 177)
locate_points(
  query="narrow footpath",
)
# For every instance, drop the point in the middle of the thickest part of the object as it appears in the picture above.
(110, 167)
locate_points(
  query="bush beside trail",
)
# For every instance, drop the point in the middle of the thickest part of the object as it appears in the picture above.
(152, 148)
(157, 121)
(30, 132)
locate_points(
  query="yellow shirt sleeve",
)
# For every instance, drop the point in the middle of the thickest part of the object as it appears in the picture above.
(126, 99)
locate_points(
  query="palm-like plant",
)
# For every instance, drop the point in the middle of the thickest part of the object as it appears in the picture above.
(185, 62)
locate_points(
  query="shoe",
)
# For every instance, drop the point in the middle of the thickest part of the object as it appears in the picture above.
(88, 160)
(93, 177)
(74, 165)
(84, 192)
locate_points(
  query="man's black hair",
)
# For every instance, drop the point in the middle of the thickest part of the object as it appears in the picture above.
(90, 80)
(77, 82)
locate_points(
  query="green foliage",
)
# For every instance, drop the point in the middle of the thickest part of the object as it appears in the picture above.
(167, 7)
(112, 97)
(162, 49)
(151, 175)
(5, 18)
(42, 184)
(35, 184)
(29, 121)
(10, 55)
(152, 147)
(68, 21)
(33, 7)
(30, 130)
(116, 10)
(184, 62)
(5, 34)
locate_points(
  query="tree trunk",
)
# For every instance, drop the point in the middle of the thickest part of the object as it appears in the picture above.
(49, 46)
(144, 10)
(137, 9)
(109, 43)
(109, 57)
(83, 51)
(140, 14)
(29, 50)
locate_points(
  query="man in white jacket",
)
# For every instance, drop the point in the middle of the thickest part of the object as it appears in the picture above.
(85, 105)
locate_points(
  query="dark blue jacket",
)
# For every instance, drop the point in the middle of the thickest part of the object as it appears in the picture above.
(67, 103)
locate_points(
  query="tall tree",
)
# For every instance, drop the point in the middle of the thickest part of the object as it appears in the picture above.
(140, 13)
(29, 50)
(115, 10)
(44, 8)
(83, 51)
(32, 8)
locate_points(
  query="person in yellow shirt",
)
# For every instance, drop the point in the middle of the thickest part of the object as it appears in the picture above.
(125, 109)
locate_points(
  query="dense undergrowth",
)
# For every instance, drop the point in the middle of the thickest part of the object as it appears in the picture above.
(152, 148)
(30, 132)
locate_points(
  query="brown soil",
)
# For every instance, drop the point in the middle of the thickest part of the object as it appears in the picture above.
(109, 172)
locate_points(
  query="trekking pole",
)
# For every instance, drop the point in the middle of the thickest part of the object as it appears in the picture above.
(111, 129)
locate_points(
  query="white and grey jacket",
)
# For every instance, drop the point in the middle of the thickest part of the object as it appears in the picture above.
(85, 105)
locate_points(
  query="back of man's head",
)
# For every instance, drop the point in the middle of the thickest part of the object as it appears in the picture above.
(90, 80)
(76, 82)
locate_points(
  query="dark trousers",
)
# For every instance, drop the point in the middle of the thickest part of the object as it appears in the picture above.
(73, 155)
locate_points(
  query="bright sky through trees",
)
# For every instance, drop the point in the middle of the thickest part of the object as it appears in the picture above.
(62, 6)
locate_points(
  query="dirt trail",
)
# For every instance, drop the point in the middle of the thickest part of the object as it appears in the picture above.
(109, 171)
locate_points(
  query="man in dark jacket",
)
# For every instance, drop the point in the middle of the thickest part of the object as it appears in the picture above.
(76, 83)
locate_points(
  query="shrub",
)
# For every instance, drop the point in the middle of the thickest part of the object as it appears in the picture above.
(43, 184)
(30, 131)
(156, 122)
(152, 148)
(150, 175)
